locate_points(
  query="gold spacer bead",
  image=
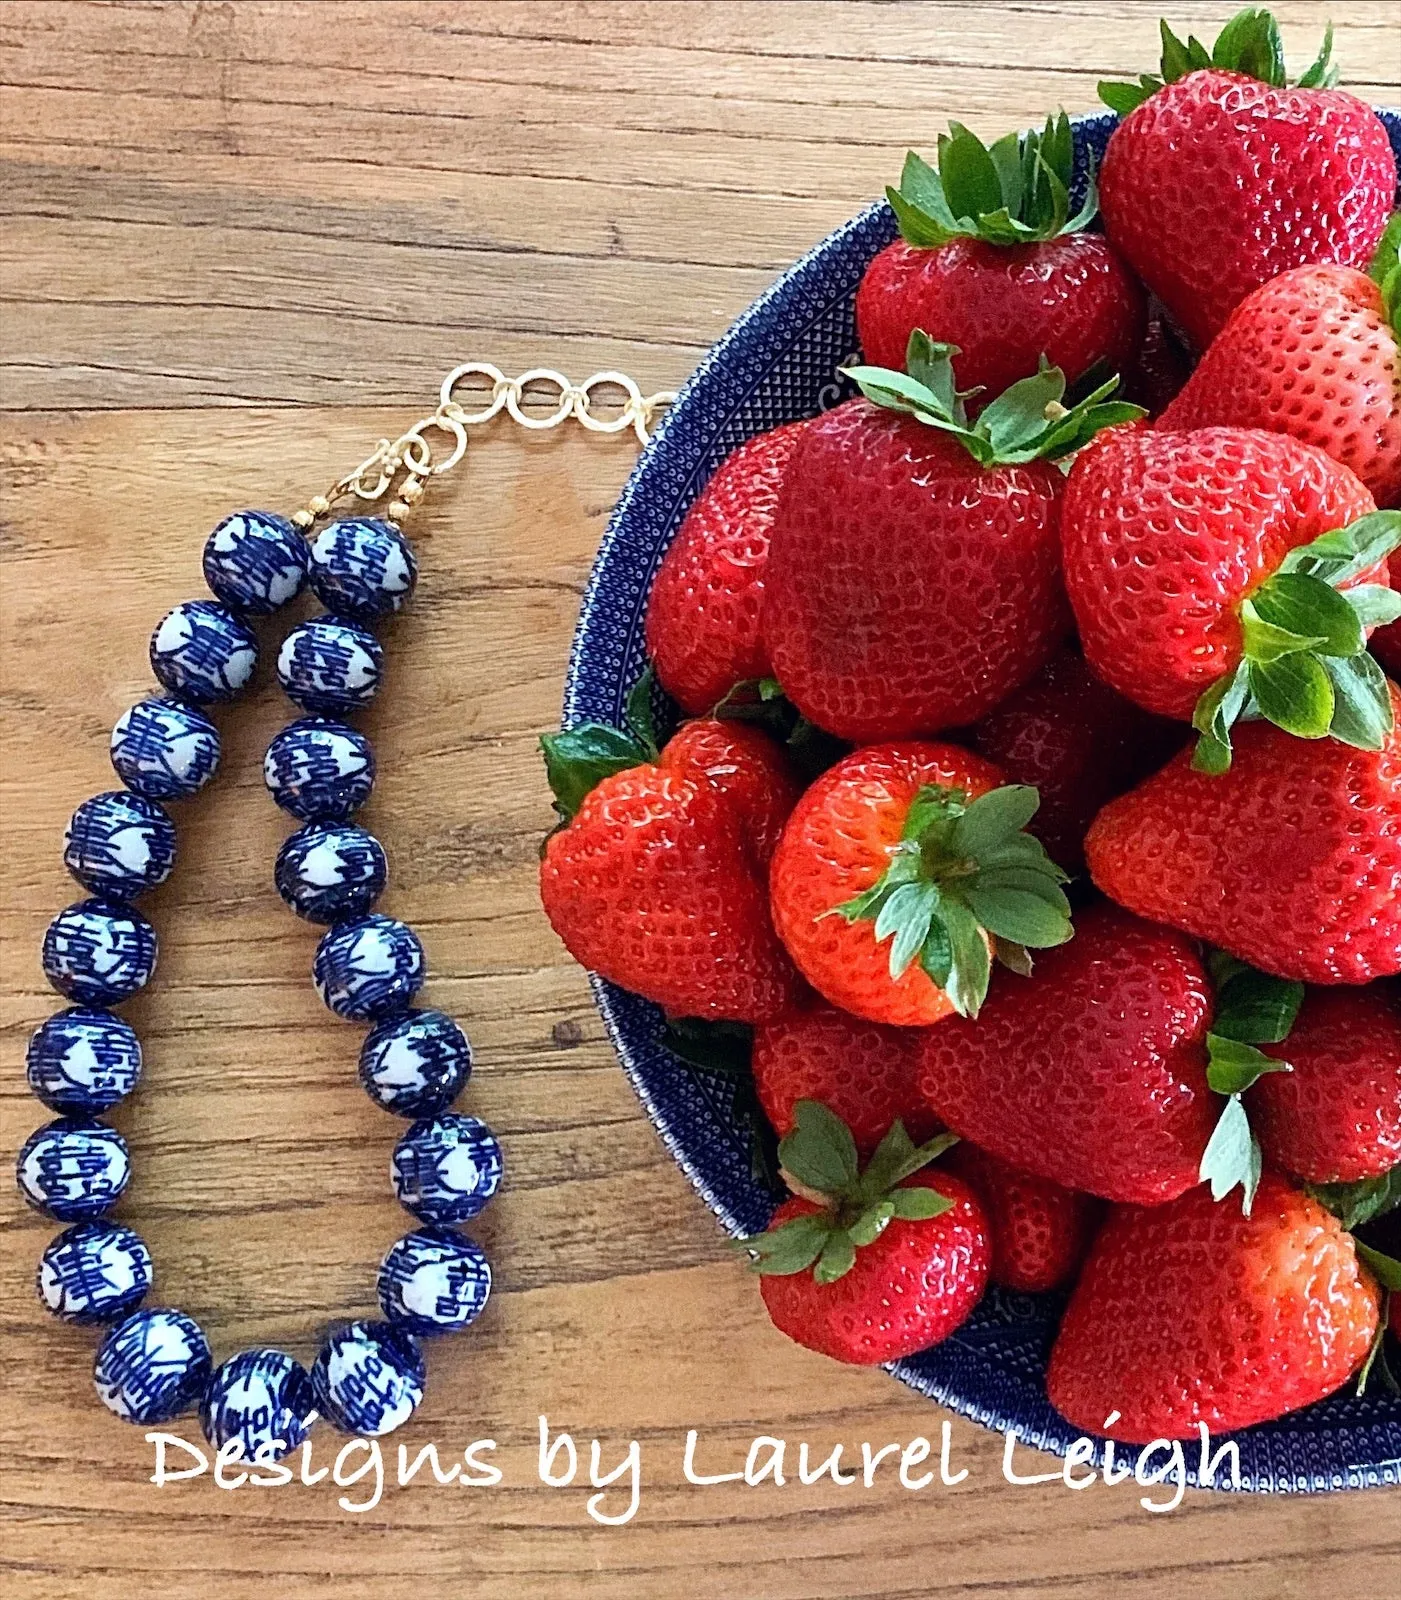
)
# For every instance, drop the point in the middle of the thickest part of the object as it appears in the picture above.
(396, 511)
(318, 505)
(303, 519)
(412, 492)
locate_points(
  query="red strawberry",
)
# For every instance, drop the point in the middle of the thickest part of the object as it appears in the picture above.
(703, 612)
(1291, 860)
(749, 767)
(1040, 1231)
(863, 1072)
(1092, 1072)
(878, 1264)
(915, 571)
(1336, 1117)
(991, 261)
(1194, 1313)
(1078, 744)
(1227, 572)
(916, 844)
(1160, 371)
(1226, 177)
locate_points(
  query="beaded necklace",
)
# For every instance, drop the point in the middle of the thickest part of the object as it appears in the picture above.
(153, 1364)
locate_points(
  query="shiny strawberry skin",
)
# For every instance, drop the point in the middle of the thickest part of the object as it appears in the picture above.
(1337, 1116)
(1091, 1072)
(1040, 1231)
(1194, 1313)
(1218, 183)
(1071, 299)
(703, 612)
(863, 1071)
(1165, 533)
(909, 589)
(751, 769)
(912, 1287)
(836, 845)
(1291, 860)
(1076, 742)
(1309, 354)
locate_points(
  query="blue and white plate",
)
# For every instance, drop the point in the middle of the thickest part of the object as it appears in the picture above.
(776, 364)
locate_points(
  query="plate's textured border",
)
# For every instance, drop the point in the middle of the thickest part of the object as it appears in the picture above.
(778, 362)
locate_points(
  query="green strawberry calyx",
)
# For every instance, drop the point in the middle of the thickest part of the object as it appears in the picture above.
(1363, 1201)
(1250, 43)
(1385, 271)
(762, 702)
(1026, 422)
(578, 758)
(1252, 1008)
(856, 1205)
(1304, 664)
(1015, 191)
(965, 882)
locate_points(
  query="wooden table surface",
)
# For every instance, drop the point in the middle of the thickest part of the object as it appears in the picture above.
(241, 242)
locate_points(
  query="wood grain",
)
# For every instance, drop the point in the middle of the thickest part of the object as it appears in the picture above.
(239, 240)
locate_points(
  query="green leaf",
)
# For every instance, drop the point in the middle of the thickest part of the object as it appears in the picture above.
(1017, 417)
(637, 714)
(1321, 73)
(1015, 957)
(1342, 554)
(1386, 270)
(918, 1203)
(920, 184)
(1356, 1204)
(1300, 604)
(1232, 1156)
(1263, 641)
(1122, 98)
(1295, 693)
(1362, 710)
(1024, 916)
(971, 965)
(1250, 43)
(930, 362)
(1255, 1007)
(790, 1248)
(1376, 604)
(1214, 715)
(1385, 1269)
(837, 1259)
(896, 1158)
(580, 758)
(872, 1222)
(819, 1150)
(969, 174)
(917, 226)
(906, 915)
(992, 818)
(936, 957)
(1232, 1067)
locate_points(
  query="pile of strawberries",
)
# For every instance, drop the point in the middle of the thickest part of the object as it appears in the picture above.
(1039, 817)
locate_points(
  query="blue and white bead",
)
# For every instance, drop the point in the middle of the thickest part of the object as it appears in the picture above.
(328, 871)
(319, 770)
(368, 968)
(415, 1064)
(119, 844)
(368, 1378)
(262, 1398)
(152, 1367)
(94, 1272)
(330, 667)
(446, 1169)
(74, 1169)
(255, 562)
(201, 651)
(98, 952)
(83, 1061)
(165, 749)
(362, 567)
(434, 1280)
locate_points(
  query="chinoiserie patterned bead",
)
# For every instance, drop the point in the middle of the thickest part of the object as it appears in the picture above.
(202, 651)
(165, 749)
(152, 1366)
(416, 1064)
(74, 1169)
(330, 667)
(368, 968)
(319, 770)
(262, 1398)
(362, 567)
(94, 1272)
(119, 844)
(368, 1377)
(446, 1169)
(434, 1280)
(82, 1061)
(255, 562)
(99, 952)
(328, 871)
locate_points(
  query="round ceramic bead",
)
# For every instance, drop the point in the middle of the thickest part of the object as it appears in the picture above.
(318, 770)
(98, 952)
(368, 1378)
(362, 567)
(82, 1061)
(368, 968)
(328, 871)
(255, 562)
(94, 1272)
(74, 1169)
(434, 1280)
(201, 651)
(165, 749)
(119, 844)
(330, 667)
(415, 1064)
(445, 1169)
(262, 1398)
(152, 1366)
